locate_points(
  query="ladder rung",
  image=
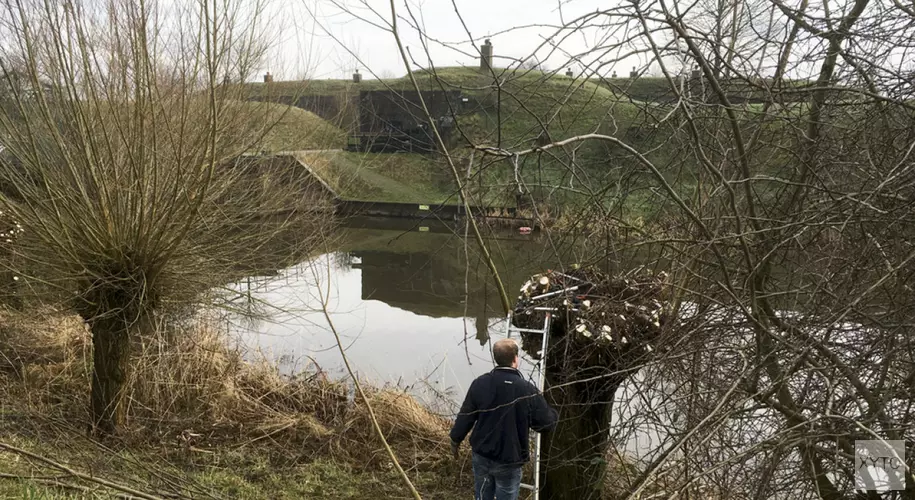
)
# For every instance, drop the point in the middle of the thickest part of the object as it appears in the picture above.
(526, 330)
(526, 486)
(553, 309)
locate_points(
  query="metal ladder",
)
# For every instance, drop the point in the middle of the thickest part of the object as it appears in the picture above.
(541, 378)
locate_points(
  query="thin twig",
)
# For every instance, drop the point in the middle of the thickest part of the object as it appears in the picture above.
(503, 295)
(324, 301)
(79, 475)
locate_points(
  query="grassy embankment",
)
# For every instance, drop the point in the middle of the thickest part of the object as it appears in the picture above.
(291, 128)
(514, 115)
(203, 424)
(529, 100)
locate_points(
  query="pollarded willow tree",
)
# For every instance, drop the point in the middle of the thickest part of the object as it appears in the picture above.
(769, 166)
(123, 129)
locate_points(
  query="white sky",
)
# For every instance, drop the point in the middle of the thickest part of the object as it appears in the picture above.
(306, 32)
(312, 38)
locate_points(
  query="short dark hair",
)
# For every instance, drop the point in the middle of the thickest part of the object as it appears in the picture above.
(504, 352)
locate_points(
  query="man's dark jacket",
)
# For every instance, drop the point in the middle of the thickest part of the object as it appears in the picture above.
(500, 407)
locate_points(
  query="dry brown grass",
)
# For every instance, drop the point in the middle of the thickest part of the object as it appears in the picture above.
(190, 389)
(195, 403)
(418, 437)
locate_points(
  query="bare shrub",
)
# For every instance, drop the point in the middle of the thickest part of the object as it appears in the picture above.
(121, 125)
(768, 168)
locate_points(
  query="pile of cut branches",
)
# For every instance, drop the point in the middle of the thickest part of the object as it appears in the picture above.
(603, 319)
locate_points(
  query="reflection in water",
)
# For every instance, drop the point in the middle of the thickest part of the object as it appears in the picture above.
(425, 284)
(386, 344)
(411, 307)
(403, 302)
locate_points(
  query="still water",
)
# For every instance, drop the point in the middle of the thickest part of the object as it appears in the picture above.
(413, 305)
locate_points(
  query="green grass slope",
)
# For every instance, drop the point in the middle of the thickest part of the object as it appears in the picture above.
(288, 128)
(385, 177)
(516, 109)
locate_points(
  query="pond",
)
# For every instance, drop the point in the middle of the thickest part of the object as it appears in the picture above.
(410, 306)
(414, 305)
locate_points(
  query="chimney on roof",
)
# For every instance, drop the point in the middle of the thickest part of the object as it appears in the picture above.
(268, 77)
(486, 56)
(357, 77)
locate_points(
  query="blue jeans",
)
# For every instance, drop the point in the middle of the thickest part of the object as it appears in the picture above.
(495, 481)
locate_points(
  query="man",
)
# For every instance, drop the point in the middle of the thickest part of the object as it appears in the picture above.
(500, 407)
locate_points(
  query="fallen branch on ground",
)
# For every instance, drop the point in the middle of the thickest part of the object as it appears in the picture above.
(78, 475)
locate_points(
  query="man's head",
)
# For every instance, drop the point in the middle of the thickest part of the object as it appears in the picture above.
(505, 353)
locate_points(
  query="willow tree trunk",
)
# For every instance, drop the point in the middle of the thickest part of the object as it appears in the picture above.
(111, 366)
(574, 453)
(601, 335)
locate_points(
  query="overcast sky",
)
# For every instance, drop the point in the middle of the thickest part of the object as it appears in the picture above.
(316, 35)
